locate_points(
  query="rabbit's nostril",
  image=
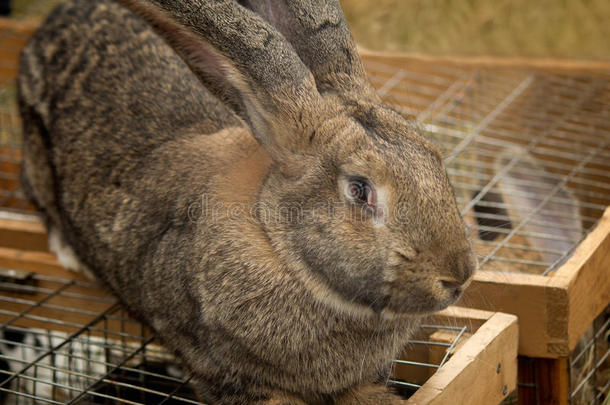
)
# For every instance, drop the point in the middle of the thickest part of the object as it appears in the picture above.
(465, 265)
(451, 285)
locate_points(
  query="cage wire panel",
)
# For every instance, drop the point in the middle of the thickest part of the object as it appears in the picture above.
(62, 341)
(590, 364)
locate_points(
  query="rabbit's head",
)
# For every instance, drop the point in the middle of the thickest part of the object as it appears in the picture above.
(355, 196)
(368, 207)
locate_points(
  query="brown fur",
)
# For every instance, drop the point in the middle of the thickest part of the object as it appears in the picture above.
(234, 237)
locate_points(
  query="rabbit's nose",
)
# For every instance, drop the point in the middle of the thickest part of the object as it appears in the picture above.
(462, 266)
(451, 284)
(455, 288)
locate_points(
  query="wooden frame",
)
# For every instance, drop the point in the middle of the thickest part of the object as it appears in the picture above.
(426, 62)
(489, 354)
(13, 36)
(554, 311)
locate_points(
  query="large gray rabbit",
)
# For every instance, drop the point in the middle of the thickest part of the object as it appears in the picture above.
(232, 176)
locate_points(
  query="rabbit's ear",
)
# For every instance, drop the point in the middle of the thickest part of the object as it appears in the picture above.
(553, 226)
(321, 37)
(244, 61)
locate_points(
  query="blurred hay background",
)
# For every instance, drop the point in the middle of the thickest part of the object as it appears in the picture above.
(574, 29)
(32, 8)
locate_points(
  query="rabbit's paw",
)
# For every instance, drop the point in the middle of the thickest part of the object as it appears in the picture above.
(372, 394)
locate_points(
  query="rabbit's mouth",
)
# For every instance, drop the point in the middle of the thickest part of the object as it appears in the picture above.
(424, 296)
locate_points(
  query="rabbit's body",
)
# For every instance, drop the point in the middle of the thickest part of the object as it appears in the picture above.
(152, 180)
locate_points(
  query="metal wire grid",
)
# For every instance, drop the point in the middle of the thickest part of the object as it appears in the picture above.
(63, 342)
(528, 155)
(590, 364)
(457, 332)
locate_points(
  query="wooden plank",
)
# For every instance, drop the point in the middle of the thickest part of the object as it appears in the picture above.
(410, 373)
(544, 381)
(489, 356)
(541, 308)
(547, 64)
(527, 391)
(438, 353)
(25, 27)
(472, 319)
(25, 232)
(13, 36)
(43, 263)
(587, 275)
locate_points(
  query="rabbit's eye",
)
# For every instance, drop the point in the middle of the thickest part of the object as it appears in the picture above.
(360, 190)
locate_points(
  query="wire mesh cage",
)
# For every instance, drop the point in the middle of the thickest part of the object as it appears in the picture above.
(65, 341)
(527, 151)
(590, 364)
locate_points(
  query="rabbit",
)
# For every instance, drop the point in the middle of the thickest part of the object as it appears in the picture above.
(238, 184)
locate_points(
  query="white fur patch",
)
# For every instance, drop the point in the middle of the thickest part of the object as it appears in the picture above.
(65, 254)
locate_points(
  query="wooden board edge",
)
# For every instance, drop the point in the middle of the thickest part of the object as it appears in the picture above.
(498, 277)
(42, 263)
(542, 310)
(22, 222)
(458, 316)
(464, 313)
(550, 64)
(589, 281)
(595, 241)
(490, 355)
(22, 231)
(26, 26)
